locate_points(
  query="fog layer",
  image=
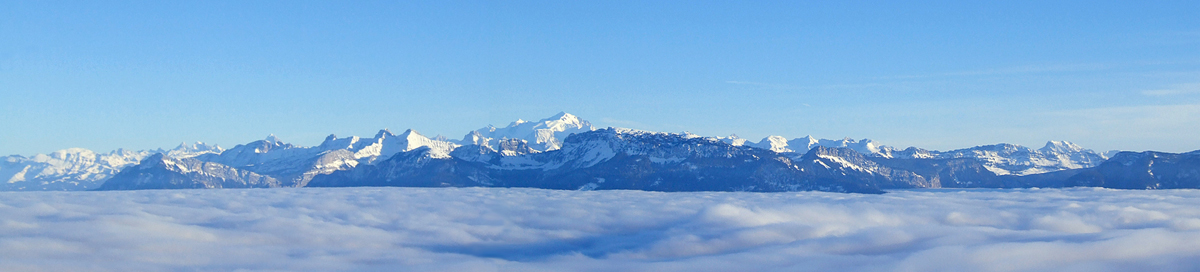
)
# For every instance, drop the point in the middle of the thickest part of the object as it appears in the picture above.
(496, 229)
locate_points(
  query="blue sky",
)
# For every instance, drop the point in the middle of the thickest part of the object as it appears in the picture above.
(940, 75)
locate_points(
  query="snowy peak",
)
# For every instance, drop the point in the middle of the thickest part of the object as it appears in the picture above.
(67, 169)
(437, 149)
(70, 155)
(780, 144)
(333, 142)
(864, 146)
(383, 133)
(271, 139)
(563, 121)
(1002, 159)
(1061, 147)
(774, 143)
(733, 140)
(476, 138)
(1010, 159)
(407, 133)
(385, 144)
(802, 144)
(187, 151)
(266, 145)
(543, 135)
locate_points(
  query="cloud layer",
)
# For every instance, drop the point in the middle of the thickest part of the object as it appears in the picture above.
(492, 229)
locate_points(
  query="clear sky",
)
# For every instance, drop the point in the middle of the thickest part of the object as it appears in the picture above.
(939, 75)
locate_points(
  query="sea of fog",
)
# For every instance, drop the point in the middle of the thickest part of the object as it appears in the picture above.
(496, 229)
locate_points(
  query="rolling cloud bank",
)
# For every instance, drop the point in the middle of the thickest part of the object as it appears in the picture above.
(496, 229)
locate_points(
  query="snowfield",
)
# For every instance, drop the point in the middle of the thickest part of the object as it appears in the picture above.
(497, 229)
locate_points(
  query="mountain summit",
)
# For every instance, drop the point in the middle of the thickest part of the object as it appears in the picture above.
(543, 135)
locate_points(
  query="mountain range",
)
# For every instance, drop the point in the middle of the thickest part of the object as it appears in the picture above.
(567, 152)
(80, 169)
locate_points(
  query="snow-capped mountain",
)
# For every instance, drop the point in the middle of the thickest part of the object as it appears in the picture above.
(296, 165)
(543, 135)
(160, 171)
(185, 150)
(1009, 159)
(385, 144)
(1001, 159)
(80, 169)
(560, 152)
(610, 158)
(782, 145)
(615, 158)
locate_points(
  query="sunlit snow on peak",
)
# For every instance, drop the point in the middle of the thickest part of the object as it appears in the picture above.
(543, 135)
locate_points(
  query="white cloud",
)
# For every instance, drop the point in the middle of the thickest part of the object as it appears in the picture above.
(495, 229)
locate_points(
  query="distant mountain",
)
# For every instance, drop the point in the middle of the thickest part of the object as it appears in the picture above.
(1001, 159)
(160, 171)
(615, 158)
(602, 159)
(78, 168)
(1008, 159)
(566, 152)
(544, 135)
(294, 166)
(1144, 170)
